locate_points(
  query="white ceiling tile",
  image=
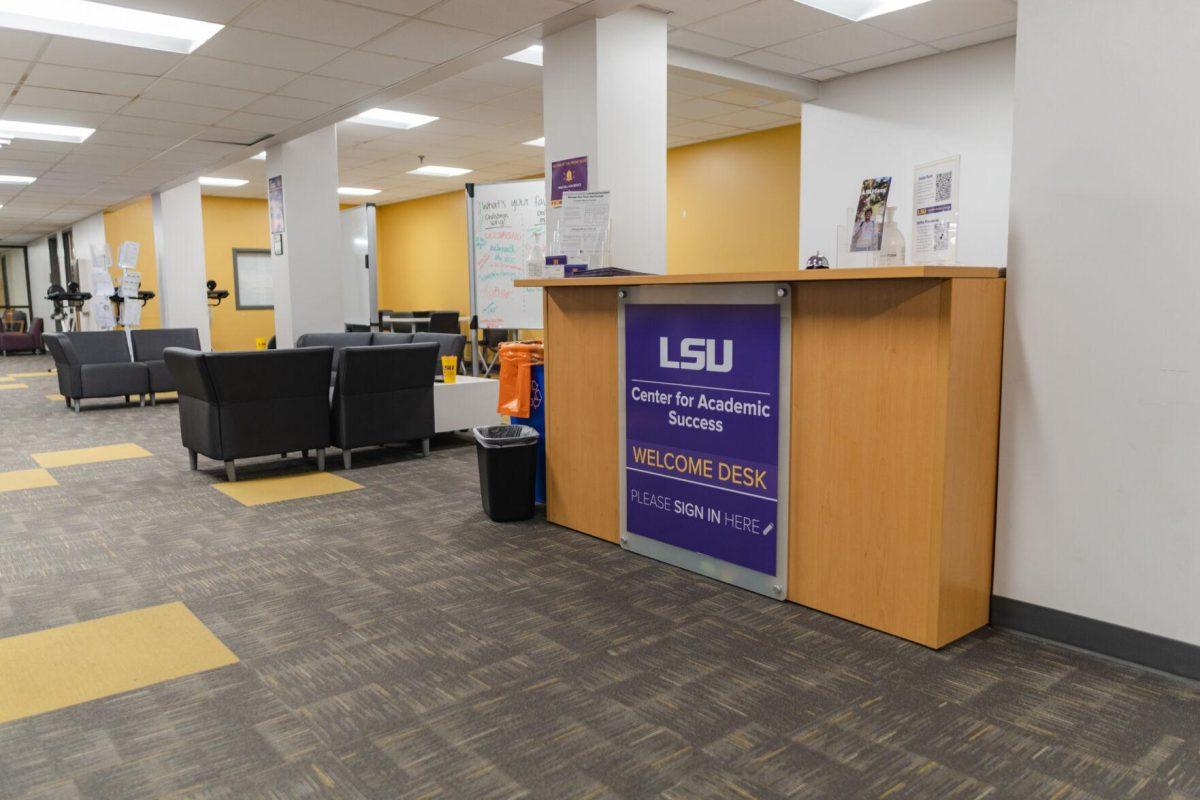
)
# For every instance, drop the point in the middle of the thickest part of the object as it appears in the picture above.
(939, 19)
(65, 98)
(700, 43)
(768, 22)
(683, 84)
(111, 57)
(887, 59)
(199, 69)
(268, 50)
(976, 37)
(750, 118)
(494, 17)
(173, 112)
(701, 108)
(702, 130)
(788, 108)
(326, 90)
(426, 104)
(467, 91)
(742, 97)
(526, 100)
(54, 76)
(319, 20)
(55, 116)
(155, 127)
(200, 94)
(498, 114)
(686, 12)
(290, 107)
(21, 44)
(507, 73)
(146, 141)
(229, 135)
(824, 74)
(777, 63)
(421, 40)
(845, 43)
(372, 68)
(208, 10)
(12, 69)
(256, 122)
(406, 7)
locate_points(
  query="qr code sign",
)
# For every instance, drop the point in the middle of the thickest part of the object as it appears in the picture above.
(945, 185)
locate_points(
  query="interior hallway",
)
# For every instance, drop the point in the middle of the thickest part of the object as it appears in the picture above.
(387, 651)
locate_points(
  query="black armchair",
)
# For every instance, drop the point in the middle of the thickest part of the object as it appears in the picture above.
(383, 395)
(96, 364)
(239, 405)
(148, 347)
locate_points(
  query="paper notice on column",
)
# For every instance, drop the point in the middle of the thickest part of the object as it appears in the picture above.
(935, 212)
(102, 283)
(131, 313)
(583, 226)
(131, 282)
(127, 256)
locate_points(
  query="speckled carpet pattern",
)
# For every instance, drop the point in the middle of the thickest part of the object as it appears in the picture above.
(392, 642)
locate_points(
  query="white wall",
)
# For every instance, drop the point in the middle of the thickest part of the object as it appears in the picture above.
(85, 234)
(39, 280)
(1099, 495)
(356, 288)
(889, 120)
(179, 249)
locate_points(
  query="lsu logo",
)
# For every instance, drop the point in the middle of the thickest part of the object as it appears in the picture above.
(696, 354)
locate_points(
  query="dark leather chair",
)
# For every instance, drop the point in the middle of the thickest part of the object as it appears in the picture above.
(256, 403)
(21, 341)
(148, 347)
(383, 395)
(444, 322)
(338, 341)
(96, 364)
(449, 344)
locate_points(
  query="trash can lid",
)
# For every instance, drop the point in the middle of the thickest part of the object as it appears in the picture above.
(505, 435)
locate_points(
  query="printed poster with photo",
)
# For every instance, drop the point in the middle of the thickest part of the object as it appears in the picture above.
(868, 216)
(935, 211)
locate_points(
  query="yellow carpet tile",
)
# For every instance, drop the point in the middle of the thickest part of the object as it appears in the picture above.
(287, 487)
(90, 455)
(26, 479)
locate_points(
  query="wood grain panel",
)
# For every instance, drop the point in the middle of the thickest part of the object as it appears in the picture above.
(865, 380)
(581, 425)
(975, 333)
(781, 276)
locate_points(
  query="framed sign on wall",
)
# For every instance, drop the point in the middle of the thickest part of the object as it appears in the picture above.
(254, 287)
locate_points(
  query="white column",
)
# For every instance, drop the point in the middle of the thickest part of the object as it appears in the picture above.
(179, 247)
(604, 96)
(308, 275)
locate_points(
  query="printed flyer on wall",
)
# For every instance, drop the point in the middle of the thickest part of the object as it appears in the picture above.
(702, 429)
(869, 214)
(935, 212)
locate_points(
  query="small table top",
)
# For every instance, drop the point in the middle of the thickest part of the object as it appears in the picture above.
(785, 276)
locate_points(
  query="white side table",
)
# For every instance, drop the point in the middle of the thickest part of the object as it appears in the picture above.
(466, 403)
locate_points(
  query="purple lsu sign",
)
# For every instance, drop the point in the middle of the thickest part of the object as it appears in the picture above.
(702, 429)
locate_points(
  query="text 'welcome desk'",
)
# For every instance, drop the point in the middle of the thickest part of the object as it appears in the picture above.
(887, 429)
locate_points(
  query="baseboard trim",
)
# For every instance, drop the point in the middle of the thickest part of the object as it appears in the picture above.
(1127, 644)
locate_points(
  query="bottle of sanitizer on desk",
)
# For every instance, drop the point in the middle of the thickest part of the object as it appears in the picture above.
(892, 252)
(535, 264)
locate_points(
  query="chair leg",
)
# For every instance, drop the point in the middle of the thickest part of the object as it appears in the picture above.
(346, 459)
(230, 472)
(76, 402)
(67, 400)
(283, 455)
(425, 447)
(152, 398)
(193, 460)
(126, 398)
(321, 459)
(142, 400)
(304, 454)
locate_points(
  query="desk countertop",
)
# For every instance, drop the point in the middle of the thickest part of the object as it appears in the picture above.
(836, 274)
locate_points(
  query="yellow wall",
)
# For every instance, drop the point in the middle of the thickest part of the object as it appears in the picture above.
(423, 254)
(733, 205)
(231, 222)
(134, 222)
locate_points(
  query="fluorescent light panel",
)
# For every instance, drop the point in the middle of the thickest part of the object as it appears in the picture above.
(22, 179)
(530, 55)
(859, 10)
(440, 172)
(354, 191)
(101, 22)
(19, 129)
(538, 142)
(228, 182)
(387, 118)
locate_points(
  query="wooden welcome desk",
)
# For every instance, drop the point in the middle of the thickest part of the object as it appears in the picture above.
(895, 401)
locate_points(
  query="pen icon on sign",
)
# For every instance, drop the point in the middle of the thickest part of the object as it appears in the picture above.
(768, 529)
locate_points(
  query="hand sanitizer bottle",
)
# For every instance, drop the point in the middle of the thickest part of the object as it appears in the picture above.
(892, 252)
(535, 264)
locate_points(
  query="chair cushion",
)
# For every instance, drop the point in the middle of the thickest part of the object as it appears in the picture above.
(391, 338)
(449, 344)
(114, 380)
(100, 347)
(338, 341)
(149, 343)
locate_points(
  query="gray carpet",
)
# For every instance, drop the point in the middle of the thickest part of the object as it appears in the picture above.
(395, 643)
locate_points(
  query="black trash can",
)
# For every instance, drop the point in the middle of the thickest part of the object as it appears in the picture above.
(507, 470)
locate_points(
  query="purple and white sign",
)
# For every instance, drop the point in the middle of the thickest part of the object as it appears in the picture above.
(702, 429)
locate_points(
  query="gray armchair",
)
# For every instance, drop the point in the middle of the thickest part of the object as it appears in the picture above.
(148, 347)
(383, 395)
(257, 403)
(96, 364)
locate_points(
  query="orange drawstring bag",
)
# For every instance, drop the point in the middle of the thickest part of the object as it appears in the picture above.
(516, 360)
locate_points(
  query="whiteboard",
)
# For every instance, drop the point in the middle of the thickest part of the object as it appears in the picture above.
(502, 219)
(252, 280)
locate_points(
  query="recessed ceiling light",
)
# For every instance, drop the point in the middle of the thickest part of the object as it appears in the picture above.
(16, 179)
(259, 156)
(441, 172)
(404, 120)
(530, 55)
(538, 142)
(357, 192)
(18, 129)
(101, 22)
(230, 182)
(859, 10)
